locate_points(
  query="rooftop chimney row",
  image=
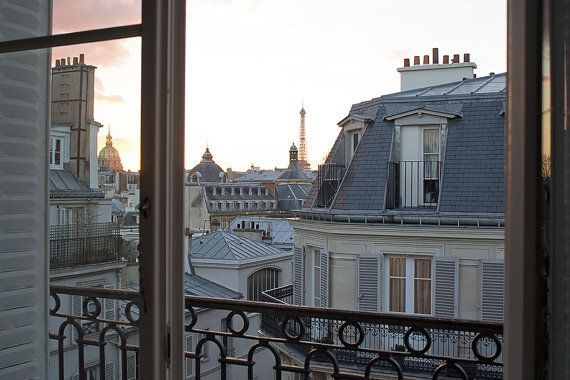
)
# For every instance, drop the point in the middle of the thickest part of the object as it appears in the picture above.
(435, 59)
(68, 61)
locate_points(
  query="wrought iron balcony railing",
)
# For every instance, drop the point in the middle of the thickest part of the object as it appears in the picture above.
(329, 177)
(75, 245)
(413, 184)
(338, 343)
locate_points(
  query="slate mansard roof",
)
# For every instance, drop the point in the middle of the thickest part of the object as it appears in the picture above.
(223, 245)
(473, 166)
(64, 184)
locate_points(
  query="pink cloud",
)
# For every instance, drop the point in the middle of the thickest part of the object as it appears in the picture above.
(73, 15)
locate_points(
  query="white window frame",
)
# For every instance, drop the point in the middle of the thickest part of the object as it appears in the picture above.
(316, 280)
(53, 152)
(410, 277)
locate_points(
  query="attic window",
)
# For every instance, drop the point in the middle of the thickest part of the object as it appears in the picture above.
(55, 153)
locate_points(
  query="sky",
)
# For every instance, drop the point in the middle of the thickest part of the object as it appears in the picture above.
(251, 63)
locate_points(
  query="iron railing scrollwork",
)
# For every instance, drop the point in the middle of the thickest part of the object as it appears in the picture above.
(298, 339)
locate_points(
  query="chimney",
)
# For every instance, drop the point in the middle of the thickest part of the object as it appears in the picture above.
(406, 62)
(466, 57)
(435, 56)
(68, 61)
(82, 58)
(427, 75)
(75, 60)
(57, 63)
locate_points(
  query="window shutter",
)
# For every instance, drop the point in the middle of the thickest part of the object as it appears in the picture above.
(109, 305)
(75, 377)
(368, 283)
(492, 289)
(446, 287)
(76, 310)
(188, 361)
(298, 276)
(131, 366)
(324, 278)
(109, 371)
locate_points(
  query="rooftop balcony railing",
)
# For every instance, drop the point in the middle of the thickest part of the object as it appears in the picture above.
(74, 245)
(329, 177)
(339, 343)
(413, 184)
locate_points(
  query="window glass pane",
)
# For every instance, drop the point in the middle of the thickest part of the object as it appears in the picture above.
(397, 284)
(431, 141)
(398, 294)
(422, 286)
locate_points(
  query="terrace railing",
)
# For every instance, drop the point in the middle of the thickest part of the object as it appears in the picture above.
(75, 245)
(359, 345)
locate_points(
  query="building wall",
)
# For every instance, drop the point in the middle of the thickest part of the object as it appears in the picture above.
(234, 276)
(346, 242)
(195, 209)
(94, 211)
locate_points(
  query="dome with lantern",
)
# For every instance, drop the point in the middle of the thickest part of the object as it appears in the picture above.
(109, 158)
(207, 170)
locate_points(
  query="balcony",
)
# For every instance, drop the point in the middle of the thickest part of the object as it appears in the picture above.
(329, 177)
(300, 340)
(75, 245)
(413, 184)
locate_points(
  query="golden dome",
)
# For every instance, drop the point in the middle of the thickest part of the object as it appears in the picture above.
(109, 158)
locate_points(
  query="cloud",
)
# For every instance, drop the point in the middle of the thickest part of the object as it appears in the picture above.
(73, 15)
(108, 98)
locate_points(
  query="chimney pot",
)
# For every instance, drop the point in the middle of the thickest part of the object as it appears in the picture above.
(62, 61)
(406, 62)
(435, 56)
(426, 59)
(455, 58)
(68, 61)
(57, 63)
(492, 73)
(446, 59)
(82, 58)
(75, 60)
(466, 57)
(416, 60)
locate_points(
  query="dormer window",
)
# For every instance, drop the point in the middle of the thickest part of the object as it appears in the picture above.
(55, 161)
(414, 171)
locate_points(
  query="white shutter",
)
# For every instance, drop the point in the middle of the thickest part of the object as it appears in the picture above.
(298, 276)
(188, 361)
(24, 253)
(110, 371)
(324, 278)
(109, 305)
(368, 296)
(76, 310)
(446, 287)
(131, 366)
(492, 289)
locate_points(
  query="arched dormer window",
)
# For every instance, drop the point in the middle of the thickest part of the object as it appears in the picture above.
(195, 177)
(262, 280)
